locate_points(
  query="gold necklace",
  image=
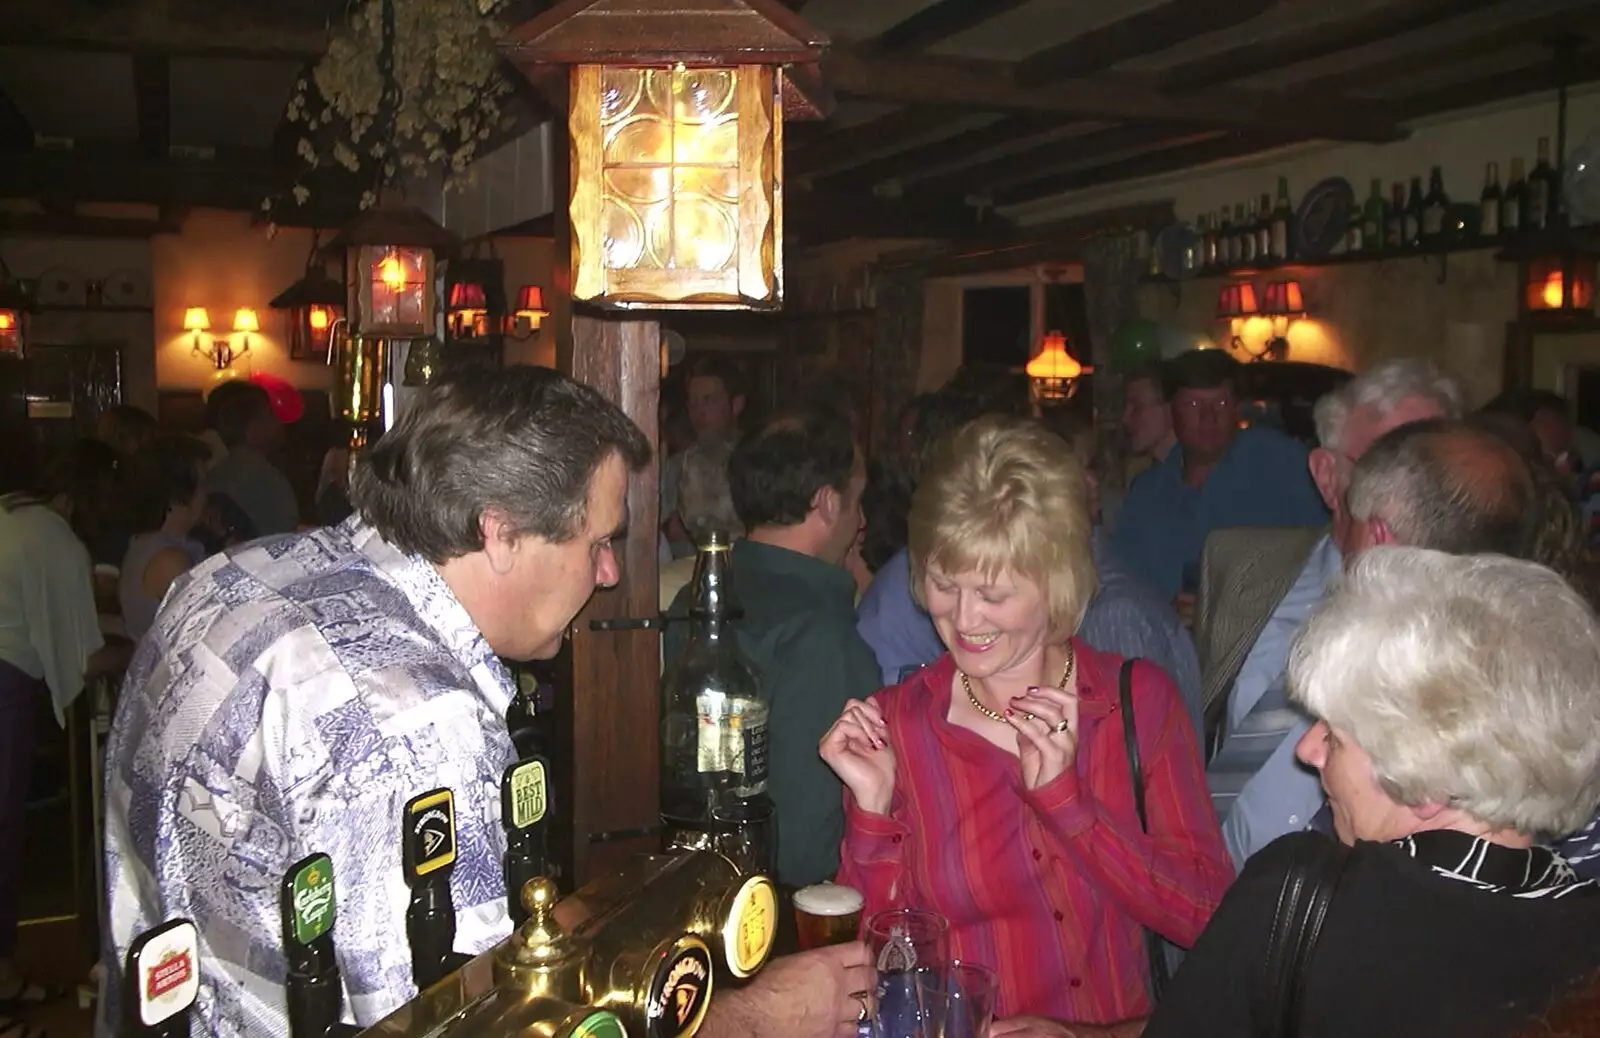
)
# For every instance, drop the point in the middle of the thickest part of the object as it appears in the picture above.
(995, 715)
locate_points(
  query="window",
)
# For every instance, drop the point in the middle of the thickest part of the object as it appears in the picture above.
(997, 325)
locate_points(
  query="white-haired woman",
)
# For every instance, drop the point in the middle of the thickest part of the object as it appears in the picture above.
(994, 786)
(1457, 719)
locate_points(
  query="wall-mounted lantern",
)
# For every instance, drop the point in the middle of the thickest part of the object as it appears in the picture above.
(315, 304)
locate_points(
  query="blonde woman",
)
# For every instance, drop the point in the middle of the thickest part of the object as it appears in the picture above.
(993, 786)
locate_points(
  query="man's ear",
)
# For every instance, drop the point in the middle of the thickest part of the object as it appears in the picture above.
(500, 540)
(1324, 465)
(1381, 534)
(826, 503)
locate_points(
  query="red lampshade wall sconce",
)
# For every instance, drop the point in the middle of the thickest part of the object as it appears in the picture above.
(1284, 303)
(530, 312)
(1235, 303)
(468, 314)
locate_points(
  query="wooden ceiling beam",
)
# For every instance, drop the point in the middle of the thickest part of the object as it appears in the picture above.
(1086, 152)
(1010, 134)
(822, 217)
(1320, 41)
(938, 22)
(152, 96)
(849, 146)
(1194, 153)
(222, 28)
(992, 85)
(126, 175)
(1502, 87)
(73, 225)
(1145, 32)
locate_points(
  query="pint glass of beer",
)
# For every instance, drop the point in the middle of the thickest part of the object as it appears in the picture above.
(827, 914)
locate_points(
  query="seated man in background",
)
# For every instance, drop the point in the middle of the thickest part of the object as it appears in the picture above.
(251, 431)
(796, 487)
(1445, 485)
(1218, 475)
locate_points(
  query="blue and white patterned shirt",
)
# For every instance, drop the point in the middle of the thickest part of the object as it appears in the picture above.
(291, 697)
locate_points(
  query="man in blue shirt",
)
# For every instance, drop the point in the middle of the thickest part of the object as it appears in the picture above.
(1218, 476)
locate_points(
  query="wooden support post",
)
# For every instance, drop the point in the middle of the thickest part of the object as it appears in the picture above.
(614, 676)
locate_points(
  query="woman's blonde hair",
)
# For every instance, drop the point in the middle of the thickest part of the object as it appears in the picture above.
(1005, 494)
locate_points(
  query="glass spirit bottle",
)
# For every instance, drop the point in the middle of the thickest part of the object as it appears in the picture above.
(714, 729)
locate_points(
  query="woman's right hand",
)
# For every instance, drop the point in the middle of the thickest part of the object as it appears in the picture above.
(857, 749)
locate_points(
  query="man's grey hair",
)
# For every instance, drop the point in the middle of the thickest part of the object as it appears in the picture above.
(1447, 485)
(1470, 681)
(705, 502)
(1380, 389)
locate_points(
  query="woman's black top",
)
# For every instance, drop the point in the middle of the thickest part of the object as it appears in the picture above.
(1440, 934)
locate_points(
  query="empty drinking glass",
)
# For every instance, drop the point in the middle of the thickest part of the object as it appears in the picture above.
(904, 943)
(955, 1001)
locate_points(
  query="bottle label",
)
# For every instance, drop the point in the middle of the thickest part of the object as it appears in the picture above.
(1489, 224)
(1510, 215)
(1411, 228)
(1280, 239)
(755, 759)
(1538, 203)
(312, 896)
(1433, 220)
(734, 743)
(1356, 239)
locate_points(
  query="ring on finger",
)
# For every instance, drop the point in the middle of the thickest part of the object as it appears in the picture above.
(861, 997)
(1060, 726)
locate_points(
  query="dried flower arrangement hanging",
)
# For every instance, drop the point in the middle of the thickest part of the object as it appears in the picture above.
(406, 88)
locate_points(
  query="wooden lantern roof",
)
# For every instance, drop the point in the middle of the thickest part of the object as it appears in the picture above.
(693, 32)
(401, 225)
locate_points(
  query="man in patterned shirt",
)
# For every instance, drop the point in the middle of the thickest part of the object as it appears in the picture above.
(295, 692)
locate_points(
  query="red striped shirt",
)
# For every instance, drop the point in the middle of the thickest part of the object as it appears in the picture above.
(1051, 886)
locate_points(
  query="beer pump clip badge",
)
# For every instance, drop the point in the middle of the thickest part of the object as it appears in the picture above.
(680, 991)
(309, 899)
(164, 966)
(751, 925)
(524, 794)
(430, 834)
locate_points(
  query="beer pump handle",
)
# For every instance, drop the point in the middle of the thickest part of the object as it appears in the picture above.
(428, 840)
(524, 801)
(161, 980)
(312, 984)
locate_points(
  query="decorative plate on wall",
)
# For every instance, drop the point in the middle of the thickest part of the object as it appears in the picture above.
(127, 287)
(1323, 218)
(61, 286)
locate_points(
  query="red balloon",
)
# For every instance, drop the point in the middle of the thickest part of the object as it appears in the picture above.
(287, 403)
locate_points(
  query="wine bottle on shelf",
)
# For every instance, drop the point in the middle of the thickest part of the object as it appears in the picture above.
(1514, 202)
(1355, 239)
(1372, 227)
(1394, 221)
(1227, 241)
(1541, 190)
(1435, 207)
(1413, 225)
(1282, 222)
(1264, 251)
(1489, 203)
(1245, 228)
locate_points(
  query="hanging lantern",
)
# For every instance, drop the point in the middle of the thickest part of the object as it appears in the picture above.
(677, 142)
(15, 306)
(315, 304)
(1053, 373)
(390, 254)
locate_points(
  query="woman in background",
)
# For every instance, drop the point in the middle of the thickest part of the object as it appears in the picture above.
(166, 487)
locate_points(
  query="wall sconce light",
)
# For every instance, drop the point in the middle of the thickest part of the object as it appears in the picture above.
(1236, 302)
(15, 306)
(1284, 304)
(1053, 372)
(245, 323)
(529, 313)
(196, 320)
(468, 314)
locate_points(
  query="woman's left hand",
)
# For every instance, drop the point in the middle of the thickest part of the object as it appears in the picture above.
(1047, 742)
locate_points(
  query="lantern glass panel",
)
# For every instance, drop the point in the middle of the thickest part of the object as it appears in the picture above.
(10, 332)
(671, 168)
(398, 284)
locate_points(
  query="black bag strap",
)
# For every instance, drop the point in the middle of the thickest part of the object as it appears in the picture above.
(1160, 976)
(1307, 891)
